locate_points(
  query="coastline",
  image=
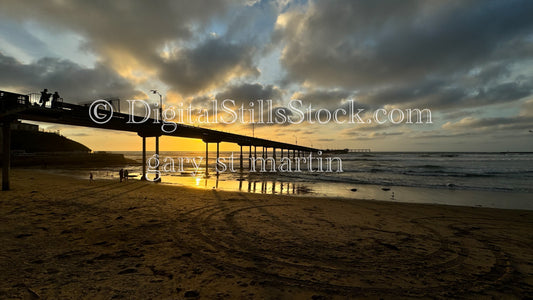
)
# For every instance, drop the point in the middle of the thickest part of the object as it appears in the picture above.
(66, 237)
(280, 184)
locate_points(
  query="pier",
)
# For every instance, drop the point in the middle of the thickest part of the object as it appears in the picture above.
(360, 150)
(15, 106)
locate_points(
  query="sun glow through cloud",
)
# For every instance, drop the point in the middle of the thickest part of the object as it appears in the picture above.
(392, 56)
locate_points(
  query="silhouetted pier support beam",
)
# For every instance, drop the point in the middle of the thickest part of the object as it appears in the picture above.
(143, 176)
(255, 155)
(6, 154)
(293, 153)
(158, 178)
(206, 159)
(241, 158)
(274, 153)
(218, 155)
(144, 135)
(250, 158)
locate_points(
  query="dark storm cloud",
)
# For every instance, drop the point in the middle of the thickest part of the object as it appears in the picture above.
(323, 97)
(136, 26)
(210, 63)
(74, 82)
(445, 95)
(142, 29)
(517, 123)
(244, 95)
(250, 92)
(364, 44)
(342, 101)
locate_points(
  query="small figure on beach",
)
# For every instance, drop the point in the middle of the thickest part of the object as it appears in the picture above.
(121, 174)
(126, 173)
(55, 99)
(91, 177)
(45, 96)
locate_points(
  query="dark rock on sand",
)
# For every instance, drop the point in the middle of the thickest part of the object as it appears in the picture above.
(191, 294)
(128, 271)
(23, 235)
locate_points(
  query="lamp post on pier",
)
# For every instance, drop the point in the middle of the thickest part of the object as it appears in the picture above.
(158, 179)
(160, 102)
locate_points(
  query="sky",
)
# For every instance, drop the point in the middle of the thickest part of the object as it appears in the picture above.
(469, 62)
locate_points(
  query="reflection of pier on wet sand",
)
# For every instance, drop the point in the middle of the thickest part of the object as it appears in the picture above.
(253, 185)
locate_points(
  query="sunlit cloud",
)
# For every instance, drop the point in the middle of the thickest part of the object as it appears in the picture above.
(469, 62)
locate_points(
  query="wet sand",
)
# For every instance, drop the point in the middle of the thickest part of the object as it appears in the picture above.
(62, 237)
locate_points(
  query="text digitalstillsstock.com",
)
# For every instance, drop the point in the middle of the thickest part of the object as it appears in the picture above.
(140, 111)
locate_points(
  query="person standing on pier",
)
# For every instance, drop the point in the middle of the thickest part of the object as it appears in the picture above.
(121, 174)
(55, 99)
(45, 96)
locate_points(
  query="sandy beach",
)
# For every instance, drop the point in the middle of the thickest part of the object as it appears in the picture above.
(67, 238)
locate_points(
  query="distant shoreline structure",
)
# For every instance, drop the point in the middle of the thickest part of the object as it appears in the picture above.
(346, 150)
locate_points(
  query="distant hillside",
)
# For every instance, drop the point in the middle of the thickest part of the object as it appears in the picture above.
(37, 141)
(32, 148)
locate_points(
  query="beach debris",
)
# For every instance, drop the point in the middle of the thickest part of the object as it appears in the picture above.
(23, 235)
(385, 189)
(191, 294)
(37, 261)
(392, 247)
(33, 295)
(354, 190)
(183, 255)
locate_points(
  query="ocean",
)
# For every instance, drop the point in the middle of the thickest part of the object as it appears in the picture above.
(502, 180)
